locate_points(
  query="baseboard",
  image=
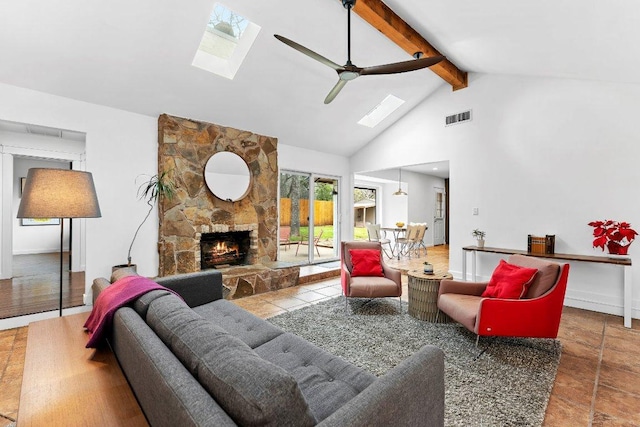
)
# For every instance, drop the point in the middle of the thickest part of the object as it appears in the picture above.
(39, 251)
(20, 321)
(600, 303)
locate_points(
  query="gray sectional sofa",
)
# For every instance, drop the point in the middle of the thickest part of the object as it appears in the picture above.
(206, 362)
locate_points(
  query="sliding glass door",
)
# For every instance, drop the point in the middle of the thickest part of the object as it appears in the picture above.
(308, 218)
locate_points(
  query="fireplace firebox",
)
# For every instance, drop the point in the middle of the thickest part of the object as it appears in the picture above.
(225, 248)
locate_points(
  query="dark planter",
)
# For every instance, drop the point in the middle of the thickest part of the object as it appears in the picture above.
(616, 248)
(129, 266)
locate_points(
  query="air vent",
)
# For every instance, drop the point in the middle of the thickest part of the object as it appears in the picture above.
(455, 119)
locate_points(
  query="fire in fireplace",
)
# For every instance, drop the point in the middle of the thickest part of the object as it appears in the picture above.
(219, 249)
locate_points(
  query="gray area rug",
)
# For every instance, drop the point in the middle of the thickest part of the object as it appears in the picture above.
(502, 382)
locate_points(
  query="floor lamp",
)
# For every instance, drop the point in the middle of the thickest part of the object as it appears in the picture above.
(59, 193)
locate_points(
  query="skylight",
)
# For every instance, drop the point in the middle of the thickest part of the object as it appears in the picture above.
(225, 43)
(381, 111)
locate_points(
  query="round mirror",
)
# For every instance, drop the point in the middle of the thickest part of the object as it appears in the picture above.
(227, 176)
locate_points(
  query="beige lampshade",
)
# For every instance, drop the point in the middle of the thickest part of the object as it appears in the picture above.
(59, 193)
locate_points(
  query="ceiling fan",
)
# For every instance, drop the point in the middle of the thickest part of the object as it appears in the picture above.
(349, 71)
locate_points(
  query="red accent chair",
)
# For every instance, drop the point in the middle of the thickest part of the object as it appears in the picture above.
(537, 315)
(390, 285)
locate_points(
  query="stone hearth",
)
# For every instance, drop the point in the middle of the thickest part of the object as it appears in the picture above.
(255, 279)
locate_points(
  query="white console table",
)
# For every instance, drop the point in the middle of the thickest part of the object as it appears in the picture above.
(623, 262)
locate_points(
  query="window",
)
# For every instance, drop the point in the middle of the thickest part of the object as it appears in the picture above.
(225, 43)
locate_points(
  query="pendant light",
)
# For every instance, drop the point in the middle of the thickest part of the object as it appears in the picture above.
(400, 192)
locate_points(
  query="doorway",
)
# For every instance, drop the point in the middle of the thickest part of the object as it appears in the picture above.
(439, 216)
(30, 250)
(308, 226)
(364, 211)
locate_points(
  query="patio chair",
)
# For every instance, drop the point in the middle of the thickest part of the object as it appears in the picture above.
(285, 236)
(377, 235)
(316, 239)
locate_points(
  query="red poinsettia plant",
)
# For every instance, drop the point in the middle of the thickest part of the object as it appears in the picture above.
(615, 235)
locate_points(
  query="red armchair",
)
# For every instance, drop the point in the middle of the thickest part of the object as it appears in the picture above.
(388, 285)
(537, 315)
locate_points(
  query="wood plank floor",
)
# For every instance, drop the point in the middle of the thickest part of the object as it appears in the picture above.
(35, 286)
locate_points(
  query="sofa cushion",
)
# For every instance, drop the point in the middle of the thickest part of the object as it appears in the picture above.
(372, 287)
(141, 305)
(196, 288)
(167, 392)
(547, 276)
(327, 381)
(250, 329)
(461, 308)
(509, 281)
(251, 390)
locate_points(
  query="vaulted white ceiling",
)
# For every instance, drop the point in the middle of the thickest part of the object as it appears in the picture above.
(136, 56)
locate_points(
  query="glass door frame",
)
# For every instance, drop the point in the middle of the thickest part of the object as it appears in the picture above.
(313, 178)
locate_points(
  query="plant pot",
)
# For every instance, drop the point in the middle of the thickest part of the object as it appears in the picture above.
(131, 267)
(481, 243)
(616, 248)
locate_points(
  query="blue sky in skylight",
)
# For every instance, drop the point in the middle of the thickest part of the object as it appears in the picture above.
(222, 15)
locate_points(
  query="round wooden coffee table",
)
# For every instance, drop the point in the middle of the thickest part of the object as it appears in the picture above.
(423, 295)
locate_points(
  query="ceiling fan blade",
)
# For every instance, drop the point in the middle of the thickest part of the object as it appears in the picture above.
(402, 67)
(308, 52)
(335, 91)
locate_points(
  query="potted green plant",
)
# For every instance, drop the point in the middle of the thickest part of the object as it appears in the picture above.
(156, 186)
(479, 235)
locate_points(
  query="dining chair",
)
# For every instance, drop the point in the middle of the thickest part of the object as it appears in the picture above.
(378, 235)
(420, 239)
(407, 243)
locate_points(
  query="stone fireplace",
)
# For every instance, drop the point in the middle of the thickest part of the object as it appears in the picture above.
(184, 147)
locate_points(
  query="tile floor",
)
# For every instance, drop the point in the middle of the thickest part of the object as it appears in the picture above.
(598, 381)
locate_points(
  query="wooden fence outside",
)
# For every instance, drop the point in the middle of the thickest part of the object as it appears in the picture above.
(323, 212)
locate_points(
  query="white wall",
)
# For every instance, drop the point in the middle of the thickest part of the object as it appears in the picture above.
(34, 239)
(541, 156)
(422, 199)
(119, 146)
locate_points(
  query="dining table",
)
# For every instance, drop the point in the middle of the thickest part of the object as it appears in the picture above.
(397, 233)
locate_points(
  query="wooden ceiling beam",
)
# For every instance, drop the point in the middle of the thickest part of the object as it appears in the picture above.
(385, 20)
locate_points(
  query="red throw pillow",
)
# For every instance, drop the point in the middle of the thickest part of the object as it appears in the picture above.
(509, 281)
(365, 262)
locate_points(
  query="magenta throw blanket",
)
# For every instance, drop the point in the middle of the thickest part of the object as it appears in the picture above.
(112, 298)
